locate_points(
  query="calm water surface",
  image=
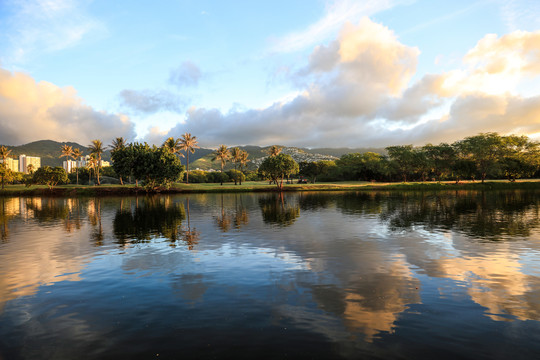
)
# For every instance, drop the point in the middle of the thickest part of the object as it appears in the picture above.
(312, 275)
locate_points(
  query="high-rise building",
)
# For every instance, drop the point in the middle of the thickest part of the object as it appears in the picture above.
(69, 165)
(12, 164)
(24, 161)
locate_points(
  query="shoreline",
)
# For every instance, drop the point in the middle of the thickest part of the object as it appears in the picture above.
(256, 187)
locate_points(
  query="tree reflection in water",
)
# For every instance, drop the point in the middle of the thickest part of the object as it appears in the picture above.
(278, 210)
(489, 216)
(230, 214)
(189, 235)
(141, 220)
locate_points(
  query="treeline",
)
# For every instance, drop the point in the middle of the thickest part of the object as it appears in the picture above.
(479, 157)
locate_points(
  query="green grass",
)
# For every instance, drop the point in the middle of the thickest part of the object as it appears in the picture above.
(262, 186)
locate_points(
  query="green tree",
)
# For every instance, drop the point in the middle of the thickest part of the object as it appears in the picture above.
(313, 169)
(188, 143)
(50, 176)
(118, 144)
(441, 159)
(156, 166)
(243, 159)
(66, 151)
(520, 157)
(403, 158)
(6, 175)
(236, 155)
(484, 150)
(96, 149)
(222, 154)
(236, 176)
(277, 167)
(76, 154)
(274, 150)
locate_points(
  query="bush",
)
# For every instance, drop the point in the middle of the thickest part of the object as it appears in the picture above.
(197, 176)
(217, 177)
(236, 176)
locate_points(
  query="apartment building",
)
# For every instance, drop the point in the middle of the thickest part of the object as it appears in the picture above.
(25, 161)
(12, 164)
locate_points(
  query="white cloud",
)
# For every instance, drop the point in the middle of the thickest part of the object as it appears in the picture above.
(31, 111)
(187, 74)
(338, 13)
(152, 101)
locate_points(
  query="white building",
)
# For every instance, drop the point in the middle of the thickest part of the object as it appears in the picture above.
(12, 164)
(24, 161)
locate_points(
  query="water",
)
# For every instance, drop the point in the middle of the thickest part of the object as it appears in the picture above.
(309, 275)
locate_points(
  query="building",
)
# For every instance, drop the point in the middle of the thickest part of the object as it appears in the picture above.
(69, 166)
(25, 161)
(12, 164)
(83, 161)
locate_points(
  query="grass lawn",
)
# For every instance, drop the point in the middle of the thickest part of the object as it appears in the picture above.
(258, 186)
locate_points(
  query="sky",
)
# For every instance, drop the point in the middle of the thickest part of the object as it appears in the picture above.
(335, 73)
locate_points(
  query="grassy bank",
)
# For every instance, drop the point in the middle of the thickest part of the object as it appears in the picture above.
(263, 186)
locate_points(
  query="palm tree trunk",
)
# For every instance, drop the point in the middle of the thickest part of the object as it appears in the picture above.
(187, 167)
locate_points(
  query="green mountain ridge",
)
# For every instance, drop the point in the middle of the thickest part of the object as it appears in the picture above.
(50, 153)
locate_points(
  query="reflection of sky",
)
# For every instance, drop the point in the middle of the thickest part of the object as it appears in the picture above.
(339, 275)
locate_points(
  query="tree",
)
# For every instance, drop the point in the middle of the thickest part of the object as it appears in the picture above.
(6, 175)
(277, 167)
(92, 164)
(236, 176)
(76, 154)
(222, 154)
(50, 176)
(173, 146)
(274, 150)
(314, 168)
(4, 153)
(96, 148)
(520, 157)
(236, 154)
(243, 161)
(441, 159)
(484, 150)
(156, 166)
(188, 143)
(117, 145)
(403, 158)
(66, 151)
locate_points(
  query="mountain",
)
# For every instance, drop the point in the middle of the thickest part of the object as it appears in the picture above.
(50, 152)
(256, 156)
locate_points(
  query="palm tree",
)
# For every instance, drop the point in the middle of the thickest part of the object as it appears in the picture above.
(274, 150)
(4, 153)
(236, 153)
(30, 168)
(67, 151)
(118, 144)
(92, 164)
(173, 145)
(222, 153)
(96, 149)
(188, 143)
(76, 154)
(243, 159)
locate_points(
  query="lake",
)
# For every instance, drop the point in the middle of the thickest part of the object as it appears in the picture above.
(371, 275)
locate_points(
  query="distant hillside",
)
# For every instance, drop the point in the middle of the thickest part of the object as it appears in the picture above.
(50, 151)
(256, 156)
(339, 152)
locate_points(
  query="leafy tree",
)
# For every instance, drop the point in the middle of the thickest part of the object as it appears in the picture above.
(156, 166)
(6, 175)
(173, 146)
(188, 143)
(118, 144)
(403, 158)
(123, 160)
(96, 149)
(4, 153)
(441, 159)
(236, 176)
(222, 154)
(274, 150)
(520, 157)
(484, 150)
(50, 176)
(314, 168)
(277, 167)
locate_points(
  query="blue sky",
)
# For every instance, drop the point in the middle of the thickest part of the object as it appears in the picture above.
(302, 73)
